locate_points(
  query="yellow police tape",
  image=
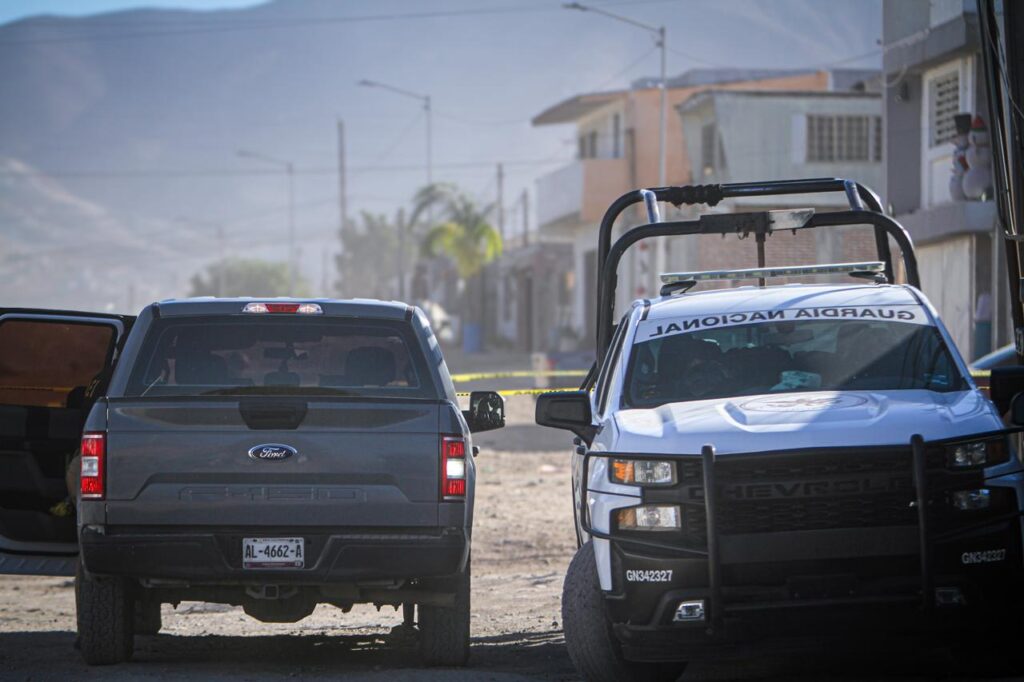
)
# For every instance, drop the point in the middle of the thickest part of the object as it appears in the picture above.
(525, 391)
(981, 373)
(479, 376)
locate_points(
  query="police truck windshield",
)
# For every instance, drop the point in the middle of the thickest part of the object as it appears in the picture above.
(787, 351)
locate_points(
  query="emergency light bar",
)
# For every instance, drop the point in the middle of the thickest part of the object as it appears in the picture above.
(873, 267)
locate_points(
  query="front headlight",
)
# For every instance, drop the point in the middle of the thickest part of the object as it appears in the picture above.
(649, 517)
(977, 453)
(643, 472)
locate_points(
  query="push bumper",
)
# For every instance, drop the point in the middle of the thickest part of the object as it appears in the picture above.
(215, 557)
(936, 574)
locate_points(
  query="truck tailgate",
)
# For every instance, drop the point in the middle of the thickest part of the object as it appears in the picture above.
(355, 463)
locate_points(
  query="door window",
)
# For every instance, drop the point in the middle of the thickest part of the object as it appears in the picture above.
(44, 362)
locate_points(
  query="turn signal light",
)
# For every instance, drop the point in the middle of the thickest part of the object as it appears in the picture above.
(94, 454)
(643, 472)
(453, 467)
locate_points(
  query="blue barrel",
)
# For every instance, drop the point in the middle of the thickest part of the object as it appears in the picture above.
(472, 338)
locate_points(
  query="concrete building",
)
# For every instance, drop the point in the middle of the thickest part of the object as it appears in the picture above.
(740, 136)
(617, 141)
(933, 74)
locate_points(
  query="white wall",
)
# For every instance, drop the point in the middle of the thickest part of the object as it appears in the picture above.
(951, 260)
(764, 138)
(560, 193)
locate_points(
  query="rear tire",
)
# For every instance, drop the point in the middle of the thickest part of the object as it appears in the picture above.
(592, 645)
(105, 618)
(444, 630)
(148, 620)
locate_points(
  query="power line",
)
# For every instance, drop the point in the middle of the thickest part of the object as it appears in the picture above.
(293, 23)
(398, 139)
(144, 173)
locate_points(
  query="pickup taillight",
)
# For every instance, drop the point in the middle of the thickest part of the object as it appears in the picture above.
(453, 467)
(94, 465)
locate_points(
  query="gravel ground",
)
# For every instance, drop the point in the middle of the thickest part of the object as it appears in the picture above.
(523, 541)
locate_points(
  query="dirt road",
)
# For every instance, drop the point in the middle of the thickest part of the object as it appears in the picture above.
(522, 544)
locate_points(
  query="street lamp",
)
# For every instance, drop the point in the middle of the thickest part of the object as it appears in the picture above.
(366, 83)
(659, 40)
(289, 168)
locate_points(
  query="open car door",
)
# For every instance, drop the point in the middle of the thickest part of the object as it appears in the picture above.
(53, 366)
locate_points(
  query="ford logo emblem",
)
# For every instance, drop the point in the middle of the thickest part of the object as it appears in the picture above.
(272, 452)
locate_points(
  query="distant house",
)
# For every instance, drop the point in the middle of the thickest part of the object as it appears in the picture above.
(932, 71)
(740, 136)
(617, 143)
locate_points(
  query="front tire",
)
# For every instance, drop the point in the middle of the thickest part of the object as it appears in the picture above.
(444, 630)
(592, 645)
(105, 613)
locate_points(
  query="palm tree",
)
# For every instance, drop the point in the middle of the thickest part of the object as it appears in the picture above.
(362, 272)
(465, 236)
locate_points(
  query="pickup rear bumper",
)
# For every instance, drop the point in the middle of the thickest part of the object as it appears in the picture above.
(215, 556)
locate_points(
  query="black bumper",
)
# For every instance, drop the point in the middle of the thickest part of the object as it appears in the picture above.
(215, 557)
(894, 562)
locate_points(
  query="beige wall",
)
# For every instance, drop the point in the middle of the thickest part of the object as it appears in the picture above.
(603, 181)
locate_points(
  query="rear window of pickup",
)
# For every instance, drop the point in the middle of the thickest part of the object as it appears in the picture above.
(290, 355)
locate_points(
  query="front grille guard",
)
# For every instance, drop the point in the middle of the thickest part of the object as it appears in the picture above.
(919, 449)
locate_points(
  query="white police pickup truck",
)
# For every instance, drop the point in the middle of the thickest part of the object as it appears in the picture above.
(768, 463)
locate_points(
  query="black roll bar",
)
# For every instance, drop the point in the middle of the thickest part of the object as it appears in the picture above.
(717, 612)
(860, 197)
(735, 223)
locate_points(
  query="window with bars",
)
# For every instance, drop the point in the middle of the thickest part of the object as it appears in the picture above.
(943, 105)
(833, 138)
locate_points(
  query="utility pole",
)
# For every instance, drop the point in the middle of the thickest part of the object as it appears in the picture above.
(292, 259)
(526, 218)
(289, 169)
(223, 265)
(342, 193)
(660, 40)
(501, 201)
(342, 197)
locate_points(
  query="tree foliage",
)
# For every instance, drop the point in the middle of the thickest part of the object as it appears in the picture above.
(246, 277)
(465, 234)
(372, 248)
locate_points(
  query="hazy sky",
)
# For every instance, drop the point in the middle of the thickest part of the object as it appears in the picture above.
(490, 65)
(15, 9)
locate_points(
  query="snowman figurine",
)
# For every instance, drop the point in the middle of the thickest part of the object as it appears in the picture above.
(960, 143)
(978, 178)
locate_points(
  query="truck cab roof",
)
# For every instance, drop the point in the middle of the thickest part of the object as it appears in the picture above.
(209, 305)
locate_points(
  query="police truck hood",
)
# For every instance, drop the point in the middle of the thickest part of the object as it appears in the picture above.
(789, 421)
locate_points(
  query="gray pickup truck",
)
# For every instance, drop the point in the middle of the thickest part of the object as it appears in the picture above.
(274, 454)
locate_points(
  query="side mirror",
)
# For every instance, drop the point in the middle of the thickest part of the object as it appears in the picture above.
(1017, 410)
(486, 411)
(568, 410)
(1004, 384)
